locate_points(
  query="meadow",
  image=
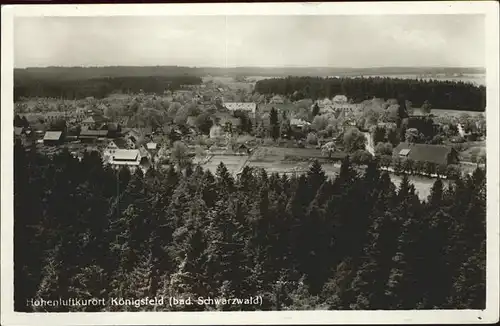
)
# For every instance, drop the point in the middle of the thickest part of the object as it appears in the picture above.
(274, 160)
(233, 163)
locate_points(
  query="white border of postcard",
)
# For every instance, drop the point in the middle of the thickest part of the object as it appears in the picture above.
(489, 315)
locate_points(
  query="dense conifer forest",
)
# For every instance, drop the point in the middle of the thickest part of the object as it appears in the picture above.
(301, 242)
(27, 86)
(440, 94)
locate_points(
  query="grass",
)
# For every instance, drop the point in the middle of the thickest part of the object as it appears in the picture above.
(274, 154)
(467, 154)
(454, 113)
(422, 185)
(232, 163)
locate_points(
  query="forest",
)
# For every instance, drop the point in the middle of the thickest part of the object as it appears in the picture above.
(440, 94)
(165, 71)
(356, 241)
(54, 87)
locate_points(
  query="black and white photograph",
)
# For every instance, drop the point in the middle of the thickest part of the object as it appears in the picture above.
(324, 163)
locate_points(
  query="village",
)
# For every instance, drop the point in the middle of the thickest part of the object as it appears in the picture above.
(224, 120)
(300, 161)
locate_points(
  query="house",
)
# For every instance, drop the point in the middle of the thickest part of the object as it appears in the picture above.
(131, 141)
(277, 100)
(113, 128)
(340, 99)
(324, 102)
(117, 143)
(25, 136)
(299, 123)
(81, 112)
(138, 132)
(125, 157)
(91, 136)
(53, 138)
(132, 136)
(216, 131)
(18, 132)
(93, 122)
(145, 155)
(191, 121)
(151, 146)
(55, 115)
(230, 124)
(437, 154)
(239, 106)
(241, 149)
(387, 125)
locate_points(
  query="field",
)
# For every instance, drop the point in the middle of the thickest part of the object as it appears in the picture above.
(229, 82)
(422, 185)
(232, 162)
(277, 154)
(471, 153)
(453, 113)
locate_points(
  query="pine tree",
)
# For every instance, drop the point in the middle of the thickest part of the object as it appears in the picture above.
(315, 109)
(225, 180)
(274, 123)
(315, 178)
(436, 196)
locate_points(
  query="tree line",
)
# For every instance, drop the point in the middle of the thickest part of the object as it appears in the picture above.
(238, 72)
(97, 87)
(301, 242)
(440, 94)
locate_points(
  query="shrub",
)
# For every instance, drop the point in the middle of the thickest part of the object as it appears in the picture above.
(382, 149)
(385, 160)
(429, 167)
(452, 171)
(361, 157)
(312, 139)
(441, 169)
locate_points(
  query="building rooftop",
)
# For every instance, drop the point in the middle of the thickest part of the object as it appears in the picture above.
(94, 119)
(404, 151)
(52, 135)
(339, 99)
(120, 143)
(424, 152)
(299, 122)
(126, 155)
(18, 131)
(239, 106)
(93, 133)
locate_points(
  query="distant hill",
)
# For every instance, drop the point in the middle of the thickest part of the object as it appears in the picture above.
(79, 73)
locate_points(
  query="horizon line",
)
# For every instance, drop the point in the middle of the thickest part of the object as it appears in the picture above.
(253, 67)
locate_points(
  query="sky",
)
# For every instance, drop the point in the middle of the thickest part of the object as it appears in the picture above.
(251, 41)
